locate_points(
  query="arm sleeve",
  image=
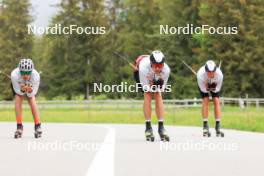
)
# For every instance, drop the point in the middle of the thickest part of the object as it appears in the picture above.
(35, 85)
(219, 82)
(143, 77)
(201, 84)
(166, 77)
(200, 80)
(15, 84)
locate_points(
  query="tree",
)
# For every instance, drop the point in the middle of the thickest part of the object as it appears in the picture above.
(178, 47)
(134, 30)
(15, 42)
(243, 65)
(75, 60)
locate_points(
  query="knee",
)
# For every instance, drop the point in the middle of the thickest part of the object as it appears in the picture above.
(18, 98)
(147, 97)
(157, 94)
(31, 101)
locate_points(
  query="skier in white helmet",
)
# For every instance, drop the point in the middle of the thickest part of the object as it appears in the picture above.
(152, 75)
(25, 83)
(210, 79)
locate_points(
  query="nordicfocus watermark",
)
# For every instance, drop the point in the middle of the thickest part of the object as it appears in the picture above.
(201, 145)
(63, 146)
(203, 29)
(125, 87)
(58, 29)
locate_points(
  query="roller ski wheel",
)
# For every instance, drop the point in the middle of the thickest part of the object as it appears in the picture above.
(38, 133)
(149, 135)
(164, 136)
(18, 133)
(206, 133)
(220, 133)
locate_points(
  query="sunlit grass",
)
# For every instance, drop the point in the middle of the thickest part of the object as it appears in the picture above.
(249, 119)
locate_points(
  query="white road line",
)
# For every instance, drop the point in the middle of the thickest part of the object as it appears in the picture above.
(103, 162)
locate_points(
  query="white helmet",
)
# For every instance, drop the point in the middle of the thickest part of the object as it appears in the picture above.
(210, 66)
(157, 57)
(26, 65)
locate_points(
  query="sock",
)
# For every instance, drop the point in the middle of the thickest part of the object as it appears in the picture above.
(37, 126)
(19, 120)
(205, 123)
(160, 123)
(217, 124)
(36, 120)
(148, 124)
(19, 126)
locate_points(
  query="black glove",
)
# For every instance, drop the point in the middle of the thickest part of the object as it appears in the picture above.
(212, 86)
(159, 83)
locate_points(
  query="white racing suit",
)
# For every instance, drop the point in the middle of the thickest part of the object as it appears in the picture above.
(209, 85)
(145, 75)
(17, 82)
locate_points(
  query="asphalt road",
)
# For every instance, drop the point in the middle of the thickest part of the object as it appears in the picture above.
(118, 150)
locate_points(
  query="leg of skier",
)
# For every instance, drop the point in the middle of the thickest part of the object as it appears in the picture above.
(217, 114)
(34, 109)
(160, 115)
(18, 109)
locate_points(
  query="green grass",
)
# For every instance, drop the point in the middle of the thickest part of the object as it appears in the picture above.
(248, 119)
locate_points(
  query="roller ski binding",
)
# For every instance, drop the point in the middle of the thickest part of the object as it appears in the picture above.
(38, 131)
(18, 132)
(163, 135)
(219, 133)
(149, 135)
(206, 132)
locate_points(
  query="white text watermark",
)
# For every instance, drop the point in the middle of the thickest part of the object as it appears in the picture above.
(125, 87)
(202, 145)
(190, 29)
(58, 29)
(62, 146)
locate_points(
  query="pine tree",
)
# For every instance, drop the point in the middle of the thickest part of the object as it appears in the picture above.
(241, 53)
(178, 47)
(75, 60)
(15, 41)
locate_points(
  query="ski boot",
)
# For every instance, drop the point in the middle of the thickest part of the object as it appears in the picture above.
(206, 132)
(19, 131)
(163, 135)
(38, 131)
(149, 135)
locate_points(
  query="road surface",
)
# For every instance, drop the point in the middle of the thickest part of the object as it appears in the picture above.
(119, 149)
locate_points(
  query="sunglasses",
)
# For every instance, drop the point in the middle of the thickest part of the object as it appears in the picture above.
(157, 66)
(25, 72)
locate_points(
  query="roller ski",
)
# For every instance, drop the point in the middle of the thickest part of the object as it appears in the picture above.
(149, 135)
(38, 131)
(18, 132)
(163, 135)
(219, 133)
(206, 132)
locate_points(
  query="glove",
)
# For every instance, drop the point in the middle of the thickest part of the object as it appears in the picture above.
(29, 89)
(26, 88)
(211, 86)
(23, 88)
(159, 83)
